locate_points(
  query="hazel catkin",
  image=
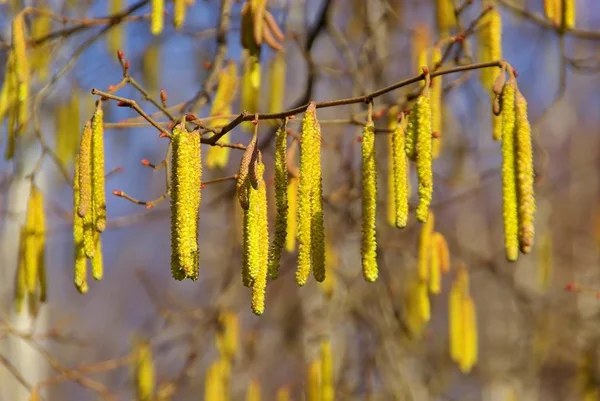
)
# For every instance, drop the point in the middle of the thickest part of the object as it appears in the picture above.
(281, 183)
(98, 187)
(157, 16)
(179, 10)
(401, 179)
(186, 175)
(80, 262)
(144, 372)
(292, 218)
(259, 236)
(369, 204)
(490, 45)
(424, 156)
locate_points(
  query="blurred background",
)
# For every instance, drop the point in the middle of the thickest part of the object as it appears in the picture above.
(536, 341)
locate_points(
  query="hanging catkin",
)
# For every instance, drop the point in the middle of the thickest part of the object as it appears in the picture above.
(98, 188)
(114, 37)
(217, 156)
(179, 10)
(35, 238)
(259, 252)
(509, 179)
(553, 10)
(277, 82)
(313, 381)
(425, 247)
(20, 277)
(327, 379)
(250, 89)
(441, 246)
(254, 392)
(462, 323)
(423, 153)
(214, 389)
(401, 179)
(186, 175)
(369, 204)
(151, 63)
(157, 16)
(40, 60)
(311, 244)
(435, 268)
(446, 19)
(570, 13)
(283, 394)
(228, 334)
(281, 179)
(391, 183)
(490, 45)
(144, 372)
(292, 217)
(242, 183)
(80, 265)
(524, 174)
(21, 63)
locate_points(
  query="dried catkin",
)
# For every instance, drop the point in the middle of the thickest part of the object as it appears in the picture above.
(446, 18)
(509, 179)
(292, 216)
(277, 82)
(80, 265)
(259, 236)
(157, 16)
(144, 373)
(254, 392)
(281, 179)
(401, 178)
(327, 379)
(21, 64)
(490, 45)
(496, 124)
(424, 157)
(425, 247)
(311, 244)
(313, 381)
(369, 204)
(186, 175)
(179, 9)
(242, 184)
(98, 187)
(524, 174)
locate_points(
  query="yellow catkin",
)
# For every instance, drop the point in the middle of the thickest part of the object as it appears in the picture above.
(217, 156)
(496, 125)
(524, 174)
(85, 170)
(401, 178)
(214, 389)
(251, 238)
(441, 246)
(311, 232)
(545, 262)
(186, 175)
(281, 179)
(242, 183)
(20, 277)
(424, 157)
(8, 87)
(313, 381)
(425, 246)
(40, 220)
(144, 373)
(436, 103)
(228, 334)
(260, 256)
(34, 238)
(157, 16)
(277, 82)
(391, 183)
(21, 63)
(114, 37)
(40, 60)
(179, 10)
(509, 186)
(435, 268)
(80, 262)
(292, 219)
(455, 319)
(250, 84)
(283, 394)
(151, 62)
(552, 10)
(446, 19)
(490, 45)
(98, 187)
(570, 13)
(332, 261)
(97, 262)
(254, 392)
(369, 204)
(414, 320)
(327, 379)
(470, 340)
(67, 128)
(420, 43)
(423, 302)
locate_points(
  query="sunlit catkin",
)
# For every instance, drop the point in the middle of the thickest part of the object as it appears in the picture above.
(98, 188)
(277, 82)
(455, 318)
(401, 179)
(157, 16)
(391, 184)
(40, 60)
(441, 246)
(144, 373)
(98, 261)
(570, 13)
(214, 382)
(470, 337)
(281, 183)
(490, 45)
(242, 184)
(80, 262)
(435, 269)
(327, 379)
(259, 256)
(446, 19)
(313, 381)
(509, 179)
(425, 247)
(21, 63)
(369, 204)
(34, 252)
(292, 217)
(250, 89)
(186, 175)
(254, 392)
(179, 9)
(424, 156)
(524, 174)
(553, 10)
(228, 334)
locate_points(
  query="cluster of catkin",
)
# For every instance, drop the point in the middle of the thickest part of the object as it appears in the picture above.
(433, 261)
(14, 96)
(30, 279)
(561, 13)
(517, 166)
(462, 324)
(218, 374)
(89, 200)
(157, 15)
